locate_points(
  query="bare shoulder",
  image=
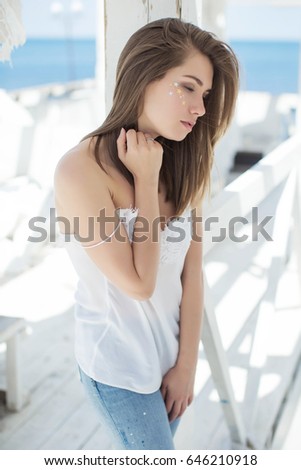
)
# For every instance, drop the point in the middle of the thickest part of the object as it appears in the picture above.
(78, 171)
(77, 163)
(81, 187)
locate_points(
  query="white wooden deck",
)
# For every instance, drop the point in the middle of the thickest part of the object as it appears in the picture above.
(58, 415)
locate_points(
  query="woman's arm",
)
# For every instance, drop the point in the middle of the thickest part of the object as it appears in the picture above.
(143, 158)
(178, 383)
(84, 197)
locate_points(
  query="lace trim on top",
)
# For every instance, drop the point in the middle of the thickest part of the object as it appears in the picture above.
(175, 237)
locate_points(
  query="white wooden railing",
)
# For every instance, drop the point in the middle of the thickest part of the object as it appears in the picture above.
(276, 178)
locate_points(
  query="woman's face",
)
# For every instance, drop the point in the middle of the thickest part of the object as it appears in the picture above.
(173, 104)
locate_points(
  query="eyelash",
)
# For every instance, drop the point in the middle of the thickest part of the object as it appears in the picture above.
(192, 90)
(188, 88)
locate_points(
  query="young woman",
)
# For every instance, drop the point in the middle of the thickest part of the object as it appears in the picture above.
(130, 194)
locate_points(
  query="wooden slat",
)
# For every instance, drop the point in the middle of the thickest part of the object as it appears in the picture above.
(288, 430)
(220, 370)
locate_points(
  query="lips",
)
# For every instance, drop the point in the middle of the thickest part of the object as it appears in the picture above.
(188, 124)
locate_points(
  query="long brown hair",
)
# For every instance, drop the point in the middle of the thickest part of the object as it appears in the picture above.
(148, 55)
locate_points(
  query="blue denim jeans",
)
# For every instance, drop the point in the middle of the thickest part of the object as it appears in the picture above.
(136, 421)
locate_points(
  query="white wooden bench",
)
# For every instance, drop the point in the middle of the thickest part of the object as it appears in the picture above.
(11, 329)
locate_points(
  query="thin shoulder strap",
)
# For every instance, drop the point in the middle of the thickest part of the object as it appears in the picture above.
(102, 241)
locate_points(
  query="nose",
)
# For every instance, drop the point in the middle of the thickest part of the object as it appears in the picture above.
(198, 108)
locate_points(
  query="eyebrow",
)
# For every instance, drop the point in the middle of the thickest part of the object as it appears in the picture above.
(199, 82)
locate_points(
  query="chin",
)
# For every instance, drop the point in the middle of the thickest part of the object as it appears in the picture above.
(176, 138)
(179, 139)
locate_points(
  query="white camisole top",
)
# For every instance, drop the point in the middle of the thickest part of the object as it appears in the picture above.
(121, 341)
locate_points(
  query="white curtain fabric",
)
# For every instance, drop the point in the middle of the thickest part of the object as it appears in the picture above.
(12, 33)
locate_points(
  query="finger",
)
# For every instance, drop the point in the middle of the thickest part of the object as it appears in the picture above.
(131, 138)
(121, 144)
(183, 408)
(175, 411)
(145, 139)
(141, 135)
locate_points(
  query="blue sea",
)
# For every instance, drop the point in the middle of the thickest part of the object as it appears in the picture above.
(43, 61)
(265, 65)
(270, 66)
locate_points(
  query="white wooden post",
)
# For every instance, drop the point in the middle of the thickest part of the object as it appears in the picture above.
(163, 9)
(218, 363)
(122, 19)
(14, 389)
(117, 21)
(11, 329)
(192, 11)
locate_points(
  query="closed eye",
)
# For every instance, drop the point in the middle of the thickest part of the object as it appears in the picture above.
(188, 88)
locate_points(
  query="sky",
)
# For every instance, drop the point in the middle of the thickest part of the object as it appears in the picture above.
(243, 21)
(44, 23)
(264, 22)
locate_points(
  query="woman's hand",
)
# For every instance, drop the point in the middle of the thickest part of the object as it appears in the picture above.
(177, 390)
(141, 154)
